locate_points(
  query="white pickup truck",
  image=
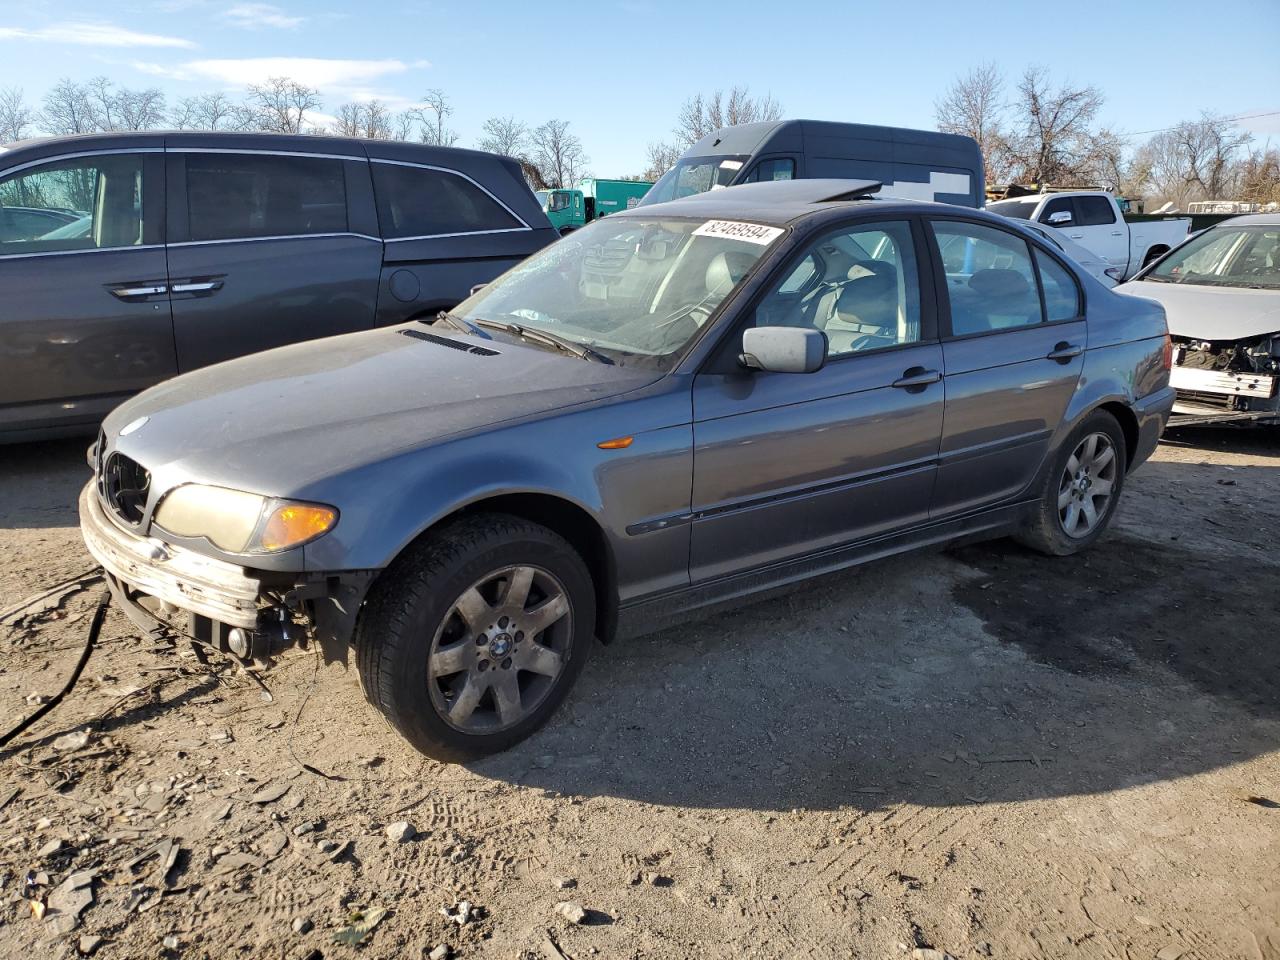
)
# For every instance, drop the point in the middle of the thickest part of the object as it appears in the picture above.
(1093, 219)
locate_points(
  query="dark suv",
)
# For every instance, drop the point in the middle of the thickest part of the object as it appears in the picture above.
(127, 258)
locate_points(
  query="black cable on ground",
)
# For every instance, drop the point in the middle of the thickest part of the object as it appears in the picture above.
(95, 627)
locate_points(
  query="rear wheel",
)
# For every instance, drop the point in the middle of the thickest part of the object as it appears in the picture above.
(471, 640)
(1080, 493)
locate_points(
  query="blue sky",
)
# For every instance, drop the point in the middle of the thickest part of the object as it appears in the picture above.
(618, 70)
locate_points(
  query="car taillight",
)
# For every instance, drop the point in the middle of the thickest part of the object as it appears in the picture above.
(1166, 355)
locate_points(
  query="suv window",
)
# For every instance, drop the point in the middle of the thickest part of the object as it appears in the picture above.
(1094, 212)
(422, 202)
(781, 168)
(232, 196)
(990, 278)
(859, 284)
(82, 204)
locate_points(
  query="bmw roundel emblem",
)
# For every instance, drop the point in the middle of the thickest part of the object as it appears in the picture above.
(133, 425)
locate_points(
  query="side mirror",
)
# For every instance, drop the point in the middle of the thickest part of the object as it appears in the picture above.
(784, 349)
(1061, 218)
(477, 288)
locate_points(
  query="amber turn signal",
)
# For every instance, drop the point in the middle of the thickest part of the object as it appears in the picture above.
(617, 443)
(291, 524)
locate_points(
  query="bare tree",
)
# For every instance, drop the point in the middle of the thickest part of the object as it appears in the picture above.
(15, 116)
(505, 135)
(1260, 176)
(69, 108)
(972, 106)
(1052, 127)
(210, 111)
(403, 124)
(661, 158)
(280, 105)
(703, 114)
(370, 120)
(558, 154)
(1197, 160)
(434, 111)
(139, 109)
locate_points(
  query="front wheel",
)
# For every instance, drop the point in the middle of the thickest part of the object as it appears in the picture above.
(1080, 493)
(470, 641)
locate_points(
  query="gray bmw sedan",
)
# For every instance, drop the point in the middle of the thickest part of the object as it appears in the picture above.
(673, 409)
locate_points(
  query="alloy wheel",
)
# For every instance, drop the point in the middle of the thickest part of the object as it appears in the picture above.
(500, 649)
(1087, 485)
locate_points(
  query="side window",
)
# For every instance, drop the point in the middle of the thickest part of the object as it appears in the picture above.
(420, 202)
(1094, 212)
(82, 204)
(1058, 205)
(859, 284)
(233, 196)
(990, 279)
(780, 168)
(1061, 294)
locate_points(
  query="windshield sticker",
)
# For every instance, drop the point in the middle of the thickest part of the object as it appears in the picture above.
(735, 230)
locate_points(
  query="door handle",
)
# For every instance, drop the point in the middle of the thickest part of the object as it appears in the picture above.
(1076, 236)
(1065, 351)
(196, 286)
(141, 290)
(916, 377)
(1117, 233)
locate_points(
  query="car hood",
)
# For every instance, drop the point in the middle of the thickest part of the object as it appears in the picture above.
(277, 421)
(1201, 312)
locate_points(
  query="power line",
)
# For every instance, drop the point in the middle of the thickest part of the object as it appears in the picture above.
(1244, 116)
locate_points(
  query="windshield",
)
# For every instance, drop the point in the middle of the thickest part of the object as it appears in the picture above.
(637, 290)
(1225, 256)
(542, 198)
(1018, 209)
(695, 175)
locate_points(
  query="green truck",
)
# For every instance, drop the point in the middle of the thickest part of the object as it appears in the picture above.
(570, 209)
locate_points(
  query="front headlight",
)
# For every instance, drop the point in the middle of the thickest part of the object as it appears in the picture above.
(240, 522)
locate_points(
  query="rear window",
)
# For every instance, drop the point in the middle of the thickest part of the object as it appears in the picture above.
(240, 196)
(1018, 209)
(1094, 212)
(425, 202)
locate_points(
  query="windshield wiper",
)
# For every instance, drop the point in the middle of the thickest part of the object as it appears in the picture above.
(538, 335)
(466, 326)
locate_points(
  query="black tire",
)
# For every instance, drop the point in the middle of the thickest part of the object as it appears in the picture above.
(565, 231)
(1045, 530)
(420, 597)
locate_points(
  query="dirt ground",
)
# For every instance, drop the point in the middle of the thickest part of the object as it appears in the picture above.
(984, 752)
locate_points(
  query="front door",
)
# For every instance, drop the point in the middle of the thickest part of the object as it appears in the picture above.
(262, 253)
(1093, 225)
(1013, 354)
(85, 319)
(792, 464)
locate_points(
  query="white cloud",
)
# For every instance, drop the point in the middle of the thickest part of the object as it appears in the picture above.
(314, 72)
(94, 35)
(254, 15)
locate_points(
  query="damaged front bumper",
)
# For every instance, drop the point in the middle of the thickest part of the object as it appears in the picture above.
(166, 589)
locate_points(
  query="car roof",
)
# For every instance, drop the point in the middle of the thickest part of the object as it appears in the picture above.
(1251, 219)
(282, 142)
(783, 202)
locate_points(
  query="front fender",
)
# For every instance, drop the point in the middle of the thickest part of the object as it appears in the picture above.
(386, 506)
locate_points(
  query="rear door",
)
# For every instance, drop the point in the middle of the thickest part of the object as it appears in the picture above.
(1013, 348)
(85, 318)
(268, 248)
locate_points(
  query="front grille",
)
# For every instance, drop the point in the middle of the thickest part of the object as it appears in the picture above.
(124, 485)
